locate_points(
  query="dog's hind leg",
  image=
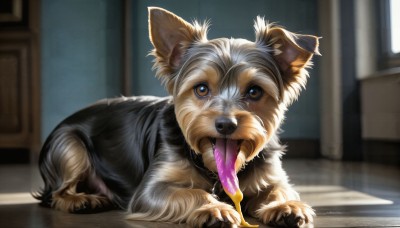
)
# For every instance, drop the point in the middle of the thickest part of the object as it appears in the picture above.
(69, 171)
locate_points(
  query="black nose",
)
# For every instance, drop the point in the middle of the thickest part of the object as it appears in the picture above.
(225, 125)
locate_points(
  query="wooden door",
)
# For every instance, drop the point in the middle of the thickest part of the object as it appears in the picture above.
(19, 74)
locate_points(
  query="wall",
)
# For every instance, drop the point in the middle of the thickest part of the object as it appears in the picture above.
(234, 18)
(381, 120)
(80, 48)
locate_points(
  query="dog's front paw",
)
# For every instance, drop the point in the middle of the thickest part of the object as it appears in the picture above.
(288, 214)
(214, 215)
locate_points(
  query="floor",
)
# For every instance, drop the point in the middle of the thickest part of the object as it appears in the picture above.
(343, 194)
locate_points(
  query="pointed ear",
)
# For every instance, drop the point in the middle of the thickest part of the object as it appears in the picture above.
(292, 53)
(169, 34)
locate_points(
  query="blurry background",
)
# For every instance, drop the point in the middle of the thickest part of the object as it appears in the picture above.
(58, 56)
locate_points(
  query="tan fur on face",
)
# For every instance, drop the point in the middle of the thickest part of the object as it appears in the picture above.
(257, 120)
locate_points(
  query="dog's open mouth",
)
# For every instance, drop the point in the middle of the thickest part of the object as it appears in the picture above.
(225, 153)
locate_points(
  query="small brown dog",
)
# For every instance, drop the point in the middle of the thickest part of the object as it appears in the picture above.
(177, 159)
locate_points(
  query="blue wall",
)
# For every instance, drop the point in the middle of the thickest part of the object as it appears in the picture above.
(81, 50)
(81, 56)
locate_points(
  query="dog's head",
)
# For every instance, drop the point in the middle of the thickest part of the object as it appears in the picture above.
(230, 95)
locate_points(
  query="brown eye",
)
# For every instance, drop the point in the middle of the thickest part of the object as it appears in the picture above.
(201, 90)
(254, 93)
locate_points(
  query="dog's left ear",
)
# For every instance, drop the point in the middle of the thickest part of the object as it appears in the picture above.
(292, 53)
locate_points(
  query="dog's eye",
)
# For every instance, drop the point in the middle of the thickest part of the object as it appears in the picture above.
(254, 93)
(201, 90)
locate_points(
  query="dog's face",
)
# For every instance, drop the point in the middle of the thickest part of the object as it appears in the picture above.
(226, 95)
(230, 95)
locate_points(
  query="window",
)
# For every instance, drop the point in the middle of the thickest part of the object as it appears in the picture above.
(389, 17)
(395, 26)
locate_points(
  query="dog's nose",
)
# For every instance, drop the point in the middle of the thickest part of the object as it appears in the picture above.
(225, 125)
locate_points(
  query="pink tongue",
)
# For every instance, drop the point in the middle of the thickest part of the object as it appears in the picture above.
(225, 154)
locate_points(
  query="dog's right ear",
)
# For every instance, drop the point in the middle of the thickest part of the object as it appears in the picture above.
(171, 36)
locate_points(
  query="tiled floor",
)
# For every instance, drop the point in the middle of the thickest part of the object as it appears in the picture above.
(343, 194)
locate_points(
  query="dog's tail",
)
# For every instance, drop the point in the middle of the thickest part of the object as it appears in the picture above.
(63, 160)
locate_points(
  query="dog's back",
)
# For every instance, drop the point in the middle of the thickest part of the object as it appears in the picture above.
(103, 151)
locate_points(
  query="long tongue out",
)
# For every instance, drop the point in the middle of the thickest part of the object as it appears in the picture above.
(225, 154)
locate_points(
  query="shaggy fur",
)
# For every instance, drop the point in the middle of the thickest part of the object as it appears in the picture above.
(154, 157)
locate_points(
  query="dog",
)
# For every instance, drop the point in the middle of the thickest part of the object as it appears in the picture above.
(183, 158)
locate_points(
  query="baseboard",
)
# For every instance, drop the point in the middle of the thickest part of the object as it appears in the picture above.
(383, 152)
(302, 148)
